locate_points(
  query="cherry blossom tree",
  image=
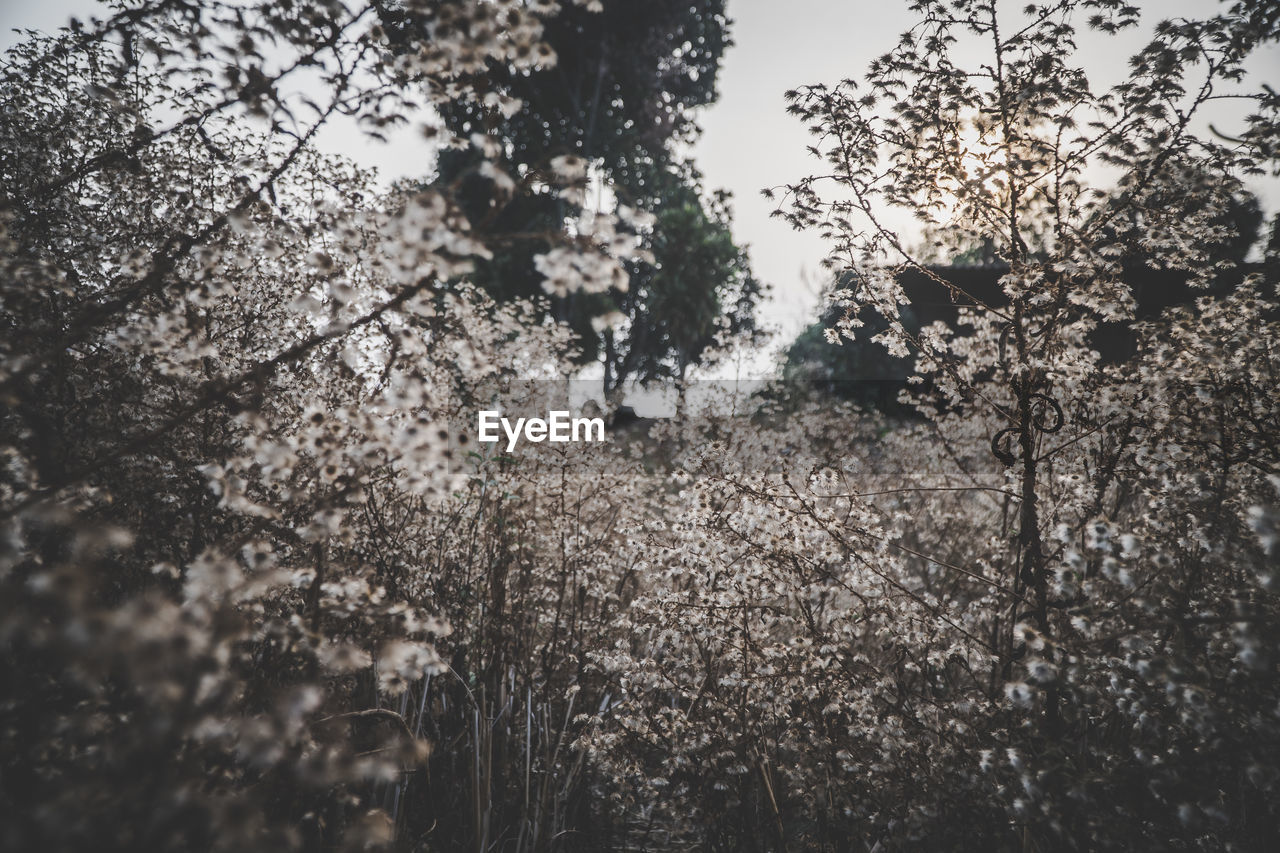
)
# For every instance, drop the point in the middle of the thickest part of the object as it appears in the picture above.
(260, 588)
(1039, 619)
(222, 350)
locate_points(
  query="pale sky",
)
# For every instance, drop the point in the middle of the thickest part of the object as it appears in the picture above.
(749, 142)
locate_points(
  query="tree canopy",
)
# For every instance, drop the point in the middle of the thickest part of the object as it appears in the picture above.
(619, 105)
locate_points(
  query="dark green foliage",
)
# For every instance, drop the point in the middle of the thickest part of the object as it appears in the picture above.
(623, 88)
(622, 96)
(699, 285)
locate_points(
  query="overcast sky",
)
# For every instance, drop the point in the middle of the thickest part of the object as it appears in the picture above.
(749, 141)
